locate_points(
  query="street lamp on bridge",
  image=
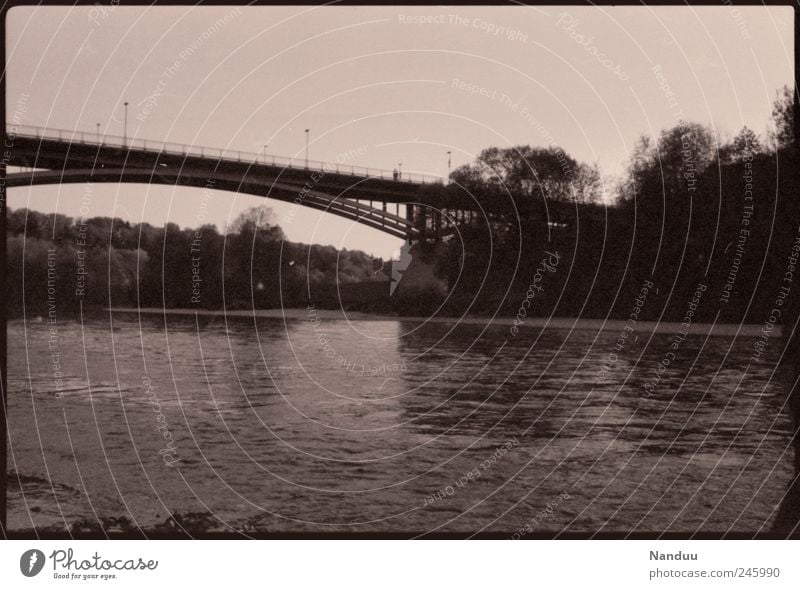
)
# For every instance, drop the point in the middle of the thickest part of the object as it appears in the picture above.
(98, 132)
(307, 130)
(125, 128)
(266, 145)
(400, 171)
(448, 166)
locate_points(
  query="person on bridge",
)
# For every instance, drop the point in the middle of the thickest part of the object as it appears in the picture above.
(394, 173)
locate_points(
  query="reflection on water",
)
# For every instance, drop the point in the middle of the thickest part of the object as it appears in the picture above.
(306, 425)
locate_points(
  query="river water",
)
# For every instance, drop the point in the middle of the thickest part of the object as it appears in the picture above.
(311, 424)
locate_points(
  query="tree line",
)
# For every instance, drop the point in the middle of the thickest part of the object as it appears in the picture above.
(690, 209)
(109, 262)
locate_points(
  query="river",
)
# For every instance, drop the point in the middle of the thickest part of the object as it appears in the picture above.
(314, 424)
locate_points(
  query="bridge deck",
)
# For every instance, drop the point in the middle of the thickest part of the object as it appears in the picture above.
(52, 145)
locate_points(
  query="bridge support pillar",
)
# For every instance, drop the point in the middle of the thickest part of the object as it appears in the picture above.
(416, 271)
(410, 212)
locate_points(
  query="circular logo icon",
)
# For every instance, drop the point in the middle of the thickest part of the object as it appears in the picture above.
(31, 562)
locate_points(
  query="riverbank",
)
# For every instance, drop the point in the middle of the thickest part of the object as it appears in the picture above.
(722, 329)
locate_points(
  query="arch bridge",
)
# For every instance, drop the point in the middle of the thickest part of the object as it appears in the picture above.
(368, 196)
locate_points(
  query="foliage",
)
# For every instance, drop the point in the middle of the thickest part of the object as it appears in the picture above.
(670, 168)
(782, 136)
(252, 265)
(513, 178)
(744, 146)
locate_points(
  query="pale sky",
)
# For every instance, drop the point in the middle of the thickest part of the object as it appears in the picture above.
(379, 85)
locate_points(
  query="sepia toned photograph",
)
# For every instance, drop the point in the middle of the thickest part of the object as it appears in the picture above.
(507, 271)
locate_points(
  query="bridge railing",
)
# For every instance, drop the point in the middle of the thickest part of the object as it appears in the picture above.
(170, 148)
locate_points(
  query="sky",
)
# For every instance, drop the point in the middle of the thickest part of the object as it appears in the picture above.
(379, 86)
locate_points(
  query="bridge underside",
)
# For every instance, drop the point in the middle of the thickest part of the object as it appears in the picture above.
(375, 218)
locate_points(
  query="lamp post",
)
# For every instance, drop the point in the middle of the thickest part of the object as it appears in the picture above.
(448, 167)
(98, 132)
(307, 130)
(125, 128)
(400, 171)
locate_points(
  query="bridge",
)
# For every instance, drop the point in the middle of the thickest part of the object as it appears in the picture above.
(363, 195)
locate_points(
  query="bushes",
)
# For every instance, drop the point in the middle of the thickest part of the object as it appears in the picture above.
(417, 301)
(103, 262)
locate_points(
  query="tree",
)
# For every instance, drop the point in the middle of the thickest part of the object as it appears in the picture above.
(684, 152)
(15, 221)
(521, 175)
(782, 136)
(587, 184)
(638, 170)
(257, 219)
(673, 167)
(32, 224)
(99, 231)
(744, 146)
